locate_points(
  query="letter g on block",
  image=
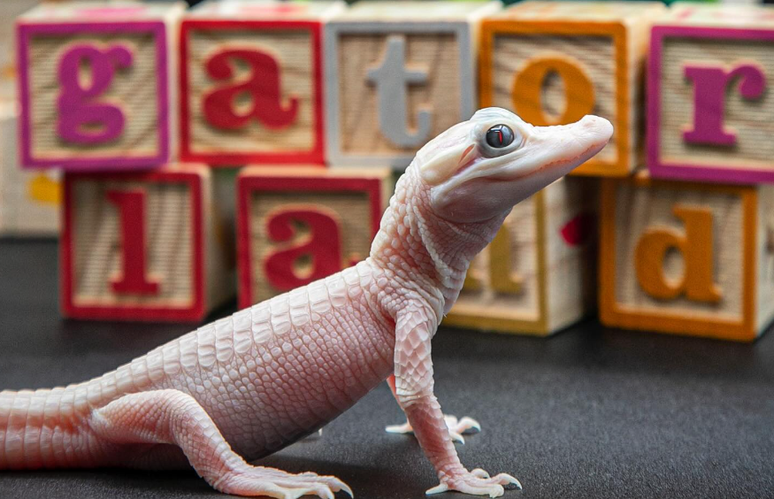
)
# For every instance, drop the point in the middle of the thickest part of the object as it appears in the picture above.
(81, 120)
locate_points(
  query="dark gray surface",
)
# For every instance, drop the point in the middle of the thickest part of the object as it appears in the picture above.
(589, 413)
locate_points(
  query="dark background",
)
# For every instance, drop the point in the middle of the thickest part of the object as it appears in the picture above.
(591, 412)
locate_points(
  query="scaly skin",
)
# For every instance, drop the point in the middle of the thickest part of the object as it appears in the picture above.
(250, 384)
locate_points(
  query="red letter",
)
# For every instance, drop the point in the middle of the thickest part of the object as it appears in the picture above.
(131, 208)
(263, 87)
(322, 246)
(709, 84)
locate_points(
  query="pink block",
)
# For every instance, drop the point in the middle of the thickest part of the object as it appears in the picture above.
(710, 97)
(94, 93)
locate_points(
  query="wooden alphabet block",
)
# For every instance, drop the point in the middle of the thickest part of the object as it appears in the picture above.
(399, 73)
(297, 226)
(144, 246)
(687, 258)
(251, 82)
(554, 62)
(711, 94)
(29, 200)
(537, 276)
(94, 81)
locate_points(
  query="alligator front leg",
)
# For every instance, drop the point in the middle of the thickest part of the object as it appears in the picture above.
(414, 385)
(457, 427)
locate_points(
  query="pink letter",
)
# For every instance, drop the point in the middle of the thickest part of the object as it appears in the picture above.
(131, 209)
(710, 85)
(82, 121)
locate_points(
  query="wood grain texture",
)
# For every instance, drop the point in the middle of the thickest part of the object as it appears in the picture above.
(29, 200)
(594, 55)
(604, 41)
(420, 54)
(764, 279)
(293, 50)
(436, 53)
(98, 250)
(188, 252)
(130, 89)
(554, 284)
(352, 200)
(750, 119)
(572, 209)
(635, 210)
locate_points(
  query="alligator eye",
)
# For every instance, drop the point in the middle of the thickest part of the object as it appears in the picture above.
(499, 136)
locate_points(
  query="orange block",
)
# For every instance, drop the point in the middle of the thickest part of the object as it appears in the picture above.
(552, 63)
(687, 258)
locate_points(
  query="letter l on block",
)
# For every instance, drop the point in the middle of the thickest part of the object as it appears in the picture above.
(131, 209)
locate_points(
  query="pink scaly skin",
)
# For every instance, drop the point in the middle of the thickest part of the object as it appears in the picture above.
(250, 384)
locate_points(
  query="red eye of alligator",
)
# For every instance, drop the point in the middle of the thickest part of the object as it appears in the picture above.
(499, 136)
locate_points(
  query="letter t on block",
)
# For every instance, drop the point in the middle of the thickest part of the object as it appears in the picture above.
(391, 79)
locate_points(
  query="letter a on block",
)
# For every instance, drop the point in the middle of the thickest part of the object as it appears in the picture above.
(696, 247)
(131, 209)
(322, 246)
(391, 79)
(710, 84)
(81, 120)
(263, 86)
(528, 87)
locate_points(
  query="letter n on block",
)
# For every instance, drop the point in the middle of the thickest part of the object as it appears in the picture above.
(297, 226)
(251, 83)
(685, 258)
(710, 98)
(397, 80)
(554, 62)
(94, 85)
(537, 276)
(144, 246)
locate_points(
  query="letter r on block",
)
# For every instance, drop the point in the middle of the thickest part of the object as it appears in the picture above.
(696, 247)
(709, 86)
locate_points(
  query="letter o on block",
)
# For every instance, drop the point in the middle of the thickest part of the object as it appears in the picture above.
(528, 85)
(593, 48)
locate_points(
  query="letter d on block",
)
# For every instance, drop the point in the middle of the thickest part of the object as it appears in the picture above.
(696, 247)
